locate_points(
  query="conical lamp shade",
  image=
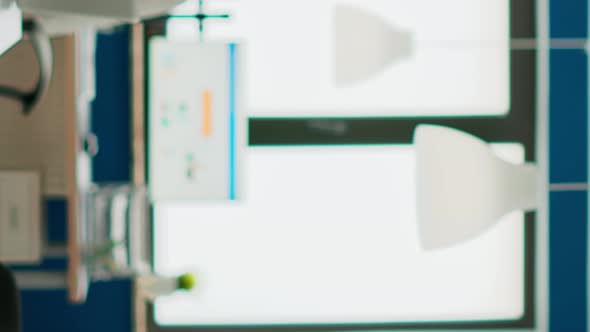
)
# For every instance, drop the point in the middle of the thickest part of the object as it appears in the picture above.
(365, 44)
(463, 188)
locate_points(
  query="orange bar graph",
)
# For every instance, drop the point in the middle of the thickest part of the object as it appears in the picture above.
(207, 127)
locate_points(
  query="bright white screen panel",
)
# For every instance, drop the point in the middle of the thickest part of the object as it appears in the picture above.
(10, 25)
(459, 62)
(328, 235)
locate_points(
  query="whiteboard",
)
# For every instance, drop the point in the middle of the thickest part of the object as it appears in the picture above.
(196, 127)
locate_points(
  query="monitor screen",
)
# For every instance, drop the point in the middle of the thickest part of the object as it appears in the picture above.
(452, 64)
(327, 235)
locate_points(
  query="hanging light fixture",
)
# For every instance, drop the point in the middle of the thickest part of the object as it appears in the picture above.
(365, 44)
(463, 188)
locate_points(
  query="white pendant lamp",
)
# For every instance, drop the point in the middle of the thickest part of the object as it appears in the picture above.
(463, 188)
(365, 44)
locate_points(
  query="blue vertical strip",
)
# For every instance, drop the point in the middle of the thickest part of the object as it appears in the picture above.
(568, 116)
(232, 121)
(567, 261)
(111, 114)
(56, 215)
(569, 18)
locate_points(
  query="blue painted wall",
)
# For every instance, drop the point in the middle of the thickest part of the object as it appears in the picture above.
(111, 115)
(568, 151)
(108, 309)
(109, 303)
(569, 18)
(568, 117)
(568, 245)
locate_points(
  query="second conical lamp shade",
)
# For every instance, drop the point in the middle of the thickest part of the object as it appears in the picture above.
(365, 44)
(463, 188)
